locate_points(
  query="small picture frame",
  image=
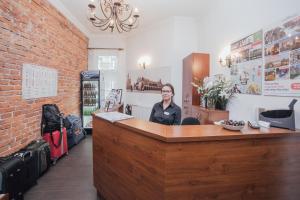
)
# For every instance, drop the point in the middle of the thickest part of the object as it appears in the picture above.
(114, 98)
(107, 105)
(118, 95)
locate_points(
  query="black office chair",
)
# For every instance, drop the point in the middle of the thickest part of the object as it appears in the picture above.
(190, 121)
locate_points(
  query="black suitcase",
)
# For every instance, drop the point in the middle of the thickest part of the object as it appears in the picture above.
(42, 150)
(29, 158)
(12, 177)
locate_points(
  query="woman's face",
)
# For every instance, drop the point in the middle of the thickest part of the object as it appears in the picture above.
(166, 93)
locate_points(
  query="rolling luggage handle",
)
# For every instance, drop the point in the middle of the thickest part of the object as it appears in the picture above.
(60, 132)
(84, 132)
(43, 121)
(24, 156)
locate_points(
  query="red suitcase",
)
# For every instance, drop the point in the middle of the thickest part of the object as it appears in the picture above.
(57, 150)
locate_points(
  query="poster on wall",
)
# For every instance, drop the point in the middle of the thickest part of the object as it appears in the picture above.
(246, 69)
(38, 81)
(148, 80)
(282, 58)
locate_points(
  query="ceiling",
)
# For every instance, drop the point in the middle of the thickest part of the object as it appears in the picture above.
(151, 11)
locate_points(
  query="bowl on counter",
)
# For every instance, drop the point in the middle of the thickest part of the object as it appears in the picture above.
(233, 125)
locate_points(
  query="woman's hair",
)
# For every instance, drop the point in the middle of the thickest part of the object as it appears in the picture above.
(170, 86)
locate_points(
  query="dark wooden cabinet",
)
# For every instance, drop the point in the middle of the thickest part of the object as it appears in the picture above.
(209, 116)
(195, 68)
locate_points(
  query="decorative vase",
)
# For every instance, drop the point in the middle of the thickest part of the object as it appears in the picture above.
(210, 104)
(220, 105)
(203, 101)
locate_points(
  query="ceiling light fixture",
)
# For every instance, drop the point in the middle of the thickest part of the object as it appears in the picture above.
(117, 15)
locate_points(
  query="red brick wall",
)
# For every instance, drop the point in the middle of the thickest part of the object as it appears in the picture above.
(33, 31)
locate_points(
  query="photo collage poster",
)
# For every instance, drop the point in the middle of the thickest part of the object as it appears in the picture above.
(282, 59)
(246, 69)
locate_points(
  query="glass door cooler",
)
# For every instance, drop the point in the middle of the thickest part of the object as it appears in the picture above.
(90, 97)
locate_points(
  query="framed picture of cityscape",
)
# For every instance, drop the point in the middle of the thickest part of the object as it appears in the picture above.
(148, 80)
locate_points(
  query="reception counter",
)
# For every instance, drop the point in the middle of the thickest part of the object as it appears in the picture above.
(135, 159)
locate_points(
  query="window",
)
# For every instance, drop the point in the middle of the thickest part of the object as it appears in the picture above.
(111, 73)
(107, 63)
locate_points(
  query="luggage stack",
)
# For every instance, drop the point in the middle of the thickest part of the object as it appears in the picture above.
(53, 131)
(58, 143)
(29, 160)
(12, 176)
(75, 131)
(41, 149)
(20, 171)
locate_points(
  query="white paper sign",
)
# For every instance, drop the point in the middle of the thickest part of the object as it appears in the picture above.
(38, 81)
(113, 116)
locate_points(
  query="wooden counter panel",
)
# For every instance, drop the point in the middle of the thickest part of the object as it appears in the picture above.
(131, 164)
(127, 162)
(238, 169)
(151, 129)
(199, 132)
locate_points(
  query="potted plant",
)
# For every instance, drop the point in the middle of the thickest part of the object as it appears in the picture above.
(216, 91)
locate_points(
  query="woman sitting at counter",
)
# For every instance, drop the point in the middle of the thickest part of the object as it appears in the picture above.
(166, 111)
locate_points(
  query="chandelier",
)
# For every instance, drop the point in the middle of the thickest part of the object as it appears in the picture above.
(116, 15)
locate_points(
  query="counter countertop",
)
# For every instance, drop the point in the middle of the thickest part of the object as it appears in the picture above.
(190, 133)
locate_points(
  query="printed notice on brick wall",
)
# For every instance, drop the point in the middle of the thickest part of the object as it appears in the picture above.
(282, 59)
(38, 81)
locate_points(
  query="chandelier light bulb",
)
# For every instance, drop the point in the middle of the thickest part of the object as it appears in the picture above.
(130, 20)
(92, 16)
(116, 14)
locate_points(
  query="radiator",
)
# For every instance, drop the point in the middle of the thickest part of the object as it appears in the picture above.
(141, 112)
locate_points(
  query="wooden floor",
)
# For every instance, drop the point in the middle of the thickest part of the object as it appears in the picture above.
(70, 179)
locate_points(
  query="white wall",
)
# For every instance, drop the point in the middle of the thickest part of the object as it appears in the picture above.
(185, 42)
(61, 7)
(109, 42)
(156, 42)
(231, 20)
(167, 43)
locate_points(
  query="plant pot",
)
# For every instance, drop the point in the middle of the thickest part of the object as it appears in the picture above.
(220, 105)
